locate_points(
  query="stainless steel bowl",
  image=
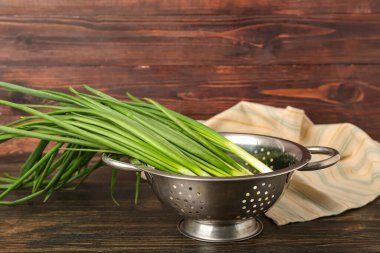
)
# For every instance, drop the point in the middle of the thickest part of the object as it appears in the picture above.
(226, 209)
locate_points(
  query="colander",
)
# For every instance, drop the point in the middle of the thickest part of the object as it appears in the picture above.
(220, 209)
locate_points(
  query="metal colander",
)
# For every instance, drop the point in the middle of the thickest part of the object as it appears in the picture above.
(226, 209)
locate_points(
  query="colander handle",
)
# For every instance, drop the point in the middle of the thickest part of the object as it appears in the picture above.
(333, 159)
(118, 164)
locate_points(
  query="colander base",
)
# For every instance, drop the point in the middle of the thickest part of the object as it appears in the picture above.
(220, 231)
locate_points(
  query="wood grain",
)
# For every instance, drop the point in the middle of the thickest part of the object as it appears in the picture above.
(87, 220)
(184, 7)
(328, 94)
(194, 40)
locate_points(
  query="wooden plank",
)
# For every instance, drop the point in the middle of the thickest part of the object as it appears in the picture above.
(194, 40)
(336, 85)
(87, 220)
(328, 94)
(184, 7)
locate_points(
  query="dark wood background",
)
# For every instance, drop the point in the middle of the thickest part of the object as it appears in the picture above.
(199, 58)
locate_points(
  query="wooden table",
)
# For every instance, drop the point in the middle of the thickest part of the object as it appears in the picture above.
(199, 58)
(87, 220)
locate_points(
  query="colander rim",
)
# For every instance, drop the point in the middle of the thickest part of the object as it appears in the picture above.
(305, 159)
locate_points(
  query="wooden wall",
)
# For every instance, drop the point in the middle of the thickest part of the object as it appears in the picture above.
(201, 57)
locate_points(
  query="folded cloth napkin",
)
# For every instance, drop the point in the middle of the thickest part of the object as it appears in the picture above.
(351, 183)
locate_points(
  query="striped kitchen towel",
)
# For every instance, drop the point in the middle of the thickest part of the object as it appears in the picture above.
(351, 183)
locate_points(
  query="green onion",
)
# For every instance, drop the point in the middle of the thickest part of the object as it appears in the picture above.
(83, 125)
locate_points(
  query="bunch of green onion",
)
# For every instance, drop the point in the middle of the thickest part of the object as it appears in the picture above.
(81, 125)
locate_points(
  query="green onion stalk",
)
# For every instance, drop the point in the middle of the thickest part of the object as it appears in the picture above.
(81, 125)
